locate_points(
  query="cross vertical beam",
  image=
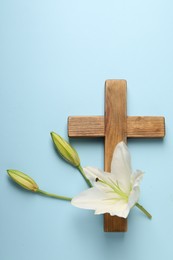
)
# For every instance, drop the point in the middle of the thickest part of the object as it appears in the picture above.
(115, 132)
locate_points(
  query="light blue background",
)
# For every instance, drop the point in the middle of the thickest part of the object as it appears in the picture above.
(54, 59)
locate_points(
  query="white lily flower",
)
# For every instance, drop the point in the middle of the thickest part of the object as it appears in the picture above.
(114, 193)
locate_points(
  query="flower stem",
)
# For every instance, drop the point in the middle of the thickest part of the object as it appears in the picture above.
(83, 174)
(53, 195)
(143, 210)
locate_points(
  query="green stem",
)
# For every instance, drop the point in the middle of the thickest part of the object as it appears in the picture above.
(53, 195)
(83, 174)
(143, 210)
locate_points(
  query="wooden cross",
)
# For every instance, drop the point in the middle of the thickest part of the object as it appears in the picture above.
(115, 126)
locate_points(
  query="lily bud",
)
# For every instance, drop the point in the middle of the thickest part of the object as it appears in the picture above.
(65, 150)
(23, 180)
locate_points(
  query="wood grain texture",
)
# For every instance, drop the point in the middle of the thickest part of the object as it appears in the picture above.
(137, 126)
(114, 224)
(115, 131)
(86, 126)
(145, 126)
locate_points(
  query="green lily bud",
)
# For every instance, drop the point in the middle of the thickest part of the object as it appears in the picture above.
(23, 180)
(65, 150)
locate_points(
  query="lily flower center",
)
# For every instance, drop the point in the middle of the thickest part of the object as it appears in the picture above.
(114, 187)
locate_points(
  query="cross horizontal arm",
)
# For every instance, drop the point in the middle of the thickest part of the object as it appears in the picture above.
(137, 126)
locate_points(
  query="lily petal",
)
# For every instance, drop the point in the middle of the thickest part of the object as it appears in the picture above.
(120, 208)
(101, 180)
(94, 174)
(109, 191)
(134, 196)
(135, 192)
(89, 199)
(136, 178)
(100, 202)
(121, 166)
